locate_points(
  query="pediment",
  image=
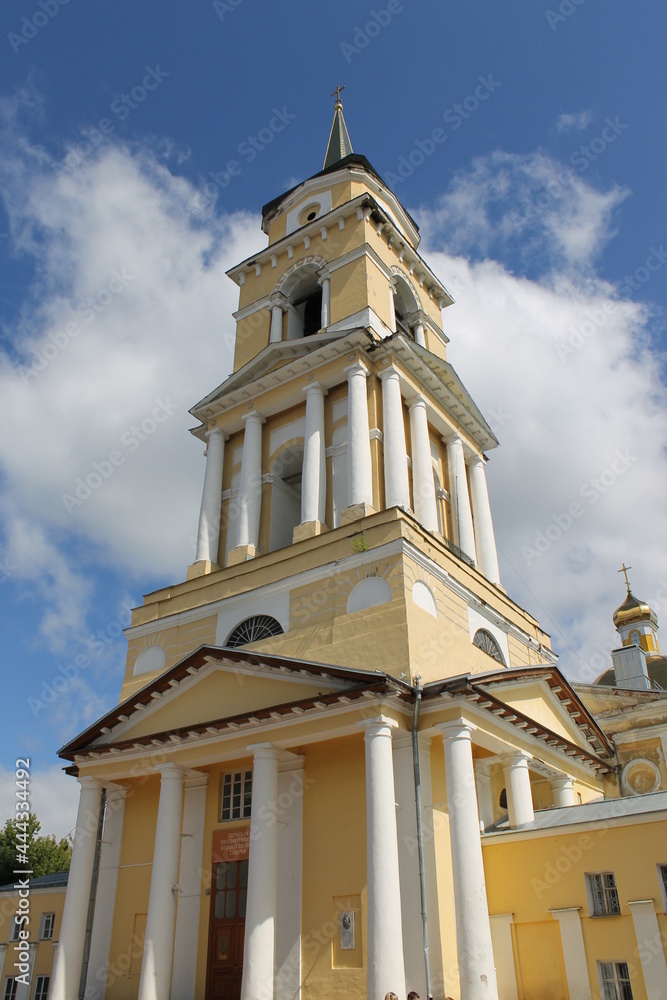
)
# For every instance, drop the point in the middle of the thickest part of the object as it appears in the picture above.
(220, 692)
(551, 707)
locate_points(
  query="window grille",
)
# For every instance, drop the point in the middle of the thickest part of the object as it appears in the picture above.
(485, 641)
(615, 981)
(236, 795)
(603, 895)
(254, 630)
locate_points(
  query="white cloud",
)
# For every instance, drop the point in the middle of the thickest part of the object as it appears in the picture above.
(527, 207)
(578, 120)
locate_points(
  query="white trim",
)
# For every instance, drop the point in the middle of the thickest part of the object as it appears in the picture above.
(503, 953)
(649, 947)
(189, 888)
(574, 952)
(291, 780)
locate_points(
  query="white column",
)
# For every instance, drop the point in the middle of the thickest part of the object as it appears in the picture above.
(325, 282)
(574, 953)
(313, 480)
(291, 788)
(473, 929)
(484, 798)
(155, 981)
(211, 501)
(562, 790)
(485, 540)
(519, 793)
(460, 500)
(190, 888)
(276, 334)
(386, 970)
(260, 923)
(250, 487)
(423, 484)
(360, 479)
(408, 861)
(392, 305)
(105, 897)
(396, 486)
(418, 330)
(503, 953)
(68, 959)
(650, 947)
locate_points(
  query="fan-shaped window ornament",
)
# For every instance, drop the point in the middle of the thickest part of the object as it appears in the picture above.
(254, 630)
(485, 641)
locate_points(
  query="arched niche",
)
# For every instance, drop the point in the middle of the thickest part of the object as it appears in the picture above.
(406, 302)
(368, 593)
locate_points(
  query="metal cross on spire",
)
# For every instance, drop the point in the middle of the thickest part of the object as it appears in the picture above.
(337, 92)
(624, 570)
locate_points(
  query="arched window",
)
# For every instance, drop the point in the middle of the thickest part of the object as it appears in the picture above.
(254, 630)
(634, 637)
(485, 641)
(304, 294)
(405, 303)
(502, 801)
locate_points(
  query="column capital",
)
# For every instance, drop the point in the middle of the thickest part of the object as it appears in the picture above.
(560, 780)
(357, 368)
(415, 401)
(381, 725)
(116, 791)
(390, 371)
(516, 758)
(263, 751)
(170, 772)
(278, 299)
(315, 387)
(476, 459)
(254, 415)
(323, 275)
(90, 784)
(215, 431)
(457, 729)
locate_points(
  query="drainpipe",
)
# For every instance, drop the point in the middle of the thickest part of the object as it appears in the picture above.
(420, 831)
(91, 898)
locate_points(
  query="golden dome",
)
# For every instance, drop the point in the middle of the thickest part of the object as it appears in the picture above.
(632, 611)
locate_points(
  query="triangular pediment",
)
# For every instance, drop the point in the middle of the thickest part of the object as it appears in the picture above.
(214, 685)
(220, 691)
(547, 699)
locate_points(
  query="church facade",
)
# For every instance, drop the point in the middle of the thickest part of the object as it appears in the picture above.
(344, 762)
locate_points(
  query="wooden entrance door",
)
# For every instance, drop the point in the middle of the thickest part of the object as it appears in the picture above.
(229, 889)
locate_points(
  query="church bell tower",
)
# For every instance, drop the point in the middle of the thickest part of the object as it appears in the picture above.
(345, 512)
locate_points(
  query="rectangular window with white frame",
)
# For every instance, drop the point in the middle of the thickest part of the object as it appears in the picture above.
(14, 930)
(603, 895)
(41, 988)
(236, 795)
(46, 926)
(614, 981)
(662, 875)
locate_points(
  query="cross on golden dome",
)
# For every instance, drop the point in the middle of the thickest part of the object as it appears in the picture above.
(624, 569)
(337, 92)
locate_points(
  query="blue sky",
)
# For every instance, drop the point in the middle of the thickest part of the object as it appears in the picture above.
(527, 139)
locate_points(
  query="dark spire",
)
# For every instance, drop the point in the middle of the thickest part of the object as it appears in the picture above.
(339, 140)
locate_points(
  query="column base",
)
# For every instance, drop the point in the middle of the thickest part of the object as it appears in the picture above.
(241, 554)
(308, 529)
(201, 568)
(355, 512)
